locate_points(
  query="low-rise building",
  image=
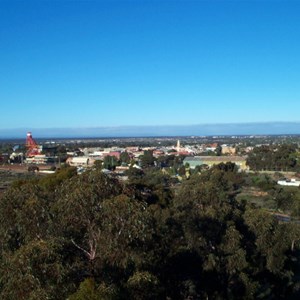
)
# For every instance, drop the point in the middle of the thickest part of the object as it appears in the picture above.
(80, 161)
(194, 161)
(228, 149)
(116, 154)
(211, 147)
(37, 159)
(289, 182)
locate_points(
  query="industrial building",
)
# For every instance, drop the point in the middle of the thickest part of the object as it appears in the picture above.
(194, 161)
(80, 161)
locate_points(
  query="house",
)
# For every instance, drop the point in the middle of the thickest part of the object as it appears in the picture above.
(211, 147)
(115, 154)
(228, 149)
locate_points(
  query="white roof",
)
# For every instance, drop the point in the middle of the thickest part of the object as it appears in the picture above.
(80, 159)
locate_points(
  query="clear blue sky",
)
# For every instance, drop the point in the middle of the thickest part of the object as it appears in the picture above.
(114, 63)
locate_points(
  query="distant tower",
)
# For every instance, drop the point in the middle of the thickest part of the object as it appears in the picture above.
(178, 146)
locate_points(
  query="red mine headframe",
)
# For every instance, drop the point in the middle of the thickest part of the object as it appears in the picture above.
(31, 146)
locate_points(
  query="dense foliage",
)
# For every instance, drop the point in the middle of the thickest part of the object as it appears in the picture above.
(88, 236)
(278, 158)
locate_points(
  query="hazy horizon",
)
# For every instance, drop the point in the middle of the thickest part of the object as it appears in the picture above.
(253, 128)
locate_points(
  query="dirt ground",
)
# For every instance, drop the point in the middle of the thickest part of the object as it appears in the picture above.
(11, 173)
(21, 168)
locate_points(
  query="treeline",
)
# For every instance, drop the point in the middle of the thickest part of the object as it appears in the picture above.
(75, 237)
(277, 158)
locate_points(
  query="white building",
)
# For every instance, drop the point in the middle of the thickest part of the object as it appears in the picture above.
(289, 182)
(80, 161)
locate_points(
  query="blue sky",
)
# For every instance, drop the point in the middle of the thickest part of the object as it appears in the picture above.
(82, 64)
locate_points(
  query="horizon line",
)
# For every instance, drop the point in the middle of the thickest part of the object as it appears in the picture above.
(218, 129)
